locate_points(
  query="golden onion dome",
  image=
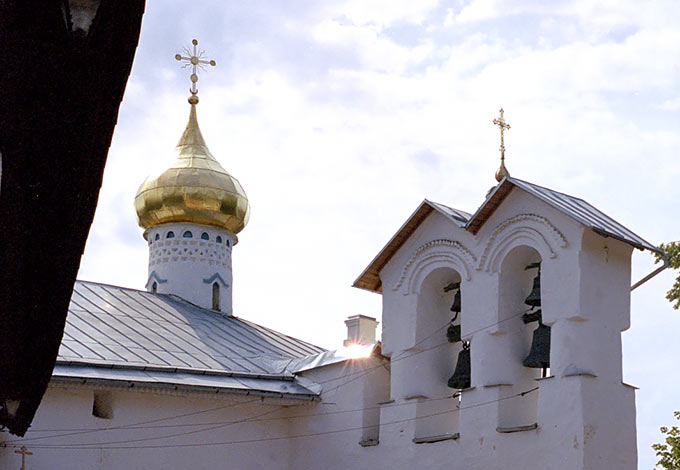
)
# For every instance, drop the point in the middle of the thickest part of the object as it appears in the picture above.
(195, 188)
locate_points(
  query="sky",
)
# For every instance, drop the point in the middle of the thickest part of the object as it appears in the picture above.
(340, 117)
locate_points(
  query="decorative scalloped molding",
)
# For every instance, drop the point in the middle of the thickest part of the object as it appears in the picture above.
(453, 251)
(554, 234)
(206, 252)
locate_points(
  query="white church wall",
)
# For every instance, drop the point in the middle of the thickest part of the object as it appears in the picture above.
(341, 431)
(182, 442)
(585, 299)
(192, 268)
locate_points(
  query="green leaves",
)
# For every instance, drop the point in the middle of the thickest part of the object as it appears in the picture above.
(673, 249)
(669, 453)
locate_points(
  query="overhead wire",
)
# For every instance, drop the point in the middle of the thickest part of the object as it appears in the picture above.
(406, 354)
(75, 432)
(257, 418)
(362, 373)
(108, 446)
(193, 413)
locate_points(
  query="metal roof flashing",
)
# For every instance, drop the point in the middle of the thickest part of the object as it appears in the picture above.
(327, 358)
(180, 382)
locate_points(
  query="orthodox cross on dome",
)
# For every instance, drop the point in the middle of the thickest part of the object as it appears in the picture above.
(502, 172)
(24, 452)
(195, 60)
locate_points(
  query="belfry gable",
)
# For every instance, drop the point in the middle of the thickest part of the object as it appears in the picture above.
(572, 207)
(370, 277)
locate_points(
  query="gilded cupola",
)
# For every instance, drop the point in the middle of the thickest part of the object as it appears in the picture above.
(195, 188)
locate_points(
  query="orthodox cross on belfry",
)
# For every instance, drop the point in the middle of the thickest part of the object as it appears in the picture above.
(502, 172)
(195, 60)
(24, 452)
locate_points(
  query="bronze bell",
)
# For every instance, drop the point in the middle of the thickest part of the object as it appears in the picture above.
(461, 376)
(534, 299)
(533, 316)
(539, 355)
(456, 303)
(453, 333)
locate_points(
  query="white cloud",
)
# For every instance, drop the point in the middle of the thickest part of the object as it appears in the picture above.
(671, 104)
(384, 13)
(480, 10)
(373, 49)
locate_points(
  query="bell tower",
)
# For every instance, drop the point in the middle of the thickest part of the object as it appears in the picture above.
(191, 213)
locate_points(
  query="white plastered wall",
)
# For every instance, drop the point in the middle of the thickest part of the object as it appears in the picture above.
(183, 442)
(585, 415)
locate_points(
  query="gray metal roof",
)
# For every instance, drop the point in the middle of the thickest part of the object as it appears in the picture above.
(125, 331)
(571, 206)
(458, 216)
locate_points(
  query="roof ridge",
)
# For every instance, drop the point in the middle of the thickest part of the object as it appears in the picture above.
(447, 206)
(83, 281)
(282, 334)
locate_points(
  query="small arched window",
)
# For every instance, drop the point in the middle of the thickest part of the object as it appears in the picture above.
(170, 234)
(157, 237)
(218, 239)
(227, 242)
(216, 296)
(154, 287)
(205, 236)
(188, 234)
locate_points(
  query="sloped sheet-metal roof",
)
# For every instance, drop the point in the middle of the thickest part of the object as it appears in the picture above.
(168, 378)
(574, 207)
(369, 279)
(126, 331)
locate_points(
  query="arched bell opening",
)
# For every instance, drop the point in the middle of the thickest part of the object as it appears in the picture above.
(440, 307)
(522, 359)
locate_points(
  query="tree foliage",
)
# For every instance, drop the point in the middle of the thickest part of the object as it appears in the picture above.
(673, 249)
(669, 453)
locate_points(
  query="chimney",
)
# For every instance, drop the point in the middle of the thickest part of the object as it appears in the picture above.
(360, 330)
